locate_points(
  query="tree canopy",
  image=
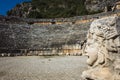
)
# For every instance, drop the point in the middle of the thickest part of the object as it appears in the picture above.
(57, 8)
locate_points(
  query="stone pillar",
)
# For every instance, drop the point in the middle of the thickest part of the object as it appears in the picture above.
(102, 48)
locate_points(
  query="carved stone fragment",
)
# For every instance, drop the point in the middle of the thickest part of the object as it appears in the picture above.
(103, 50)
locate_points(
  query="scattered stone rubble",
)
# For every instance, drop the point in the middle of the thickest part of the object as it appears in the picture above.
(103, 50)
(100, 5)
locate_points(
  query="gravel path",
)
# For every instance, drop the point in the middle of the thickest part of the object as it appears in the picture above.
(42, 68)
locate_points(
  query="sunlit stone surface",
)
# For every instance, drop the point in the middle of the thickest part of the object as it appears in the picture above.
(103, 50)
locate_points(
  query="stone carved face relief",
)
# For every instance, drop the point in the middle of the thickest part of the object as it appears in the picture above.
(91, 49)
(98, 44)
(102, 48)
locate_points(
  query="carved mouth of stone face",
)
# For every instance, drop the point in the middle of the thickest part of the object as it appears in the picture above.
(91, 62)
(89, 79)
(88, 56)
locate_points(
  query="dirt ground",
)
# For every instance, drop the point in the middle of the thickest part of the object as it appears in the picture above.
(42, 68)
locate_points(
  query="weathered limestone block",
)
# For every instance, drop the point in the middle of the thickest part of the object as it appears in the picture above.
(103, 50)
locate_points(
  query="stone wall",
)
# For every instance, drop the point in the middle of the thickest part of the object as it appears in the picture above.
(71, 20)
(16, 34)
(21, 37)
(68, 50)
(75, 49)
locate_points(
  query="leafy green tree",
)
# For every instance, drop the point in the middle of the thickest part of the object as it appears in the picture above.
(51, 8)
(60, 8)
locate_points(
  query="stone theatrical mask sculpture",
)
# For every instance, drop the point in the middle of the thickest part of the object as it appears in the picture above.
(103, 50)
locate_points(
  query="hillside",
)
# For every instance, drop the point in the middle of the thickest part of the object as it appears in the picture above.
(99, 5)
(49, 9)
(60, 8)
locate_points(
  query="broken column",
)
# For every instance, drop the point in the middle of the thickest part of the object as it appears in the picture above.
(103, 50)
